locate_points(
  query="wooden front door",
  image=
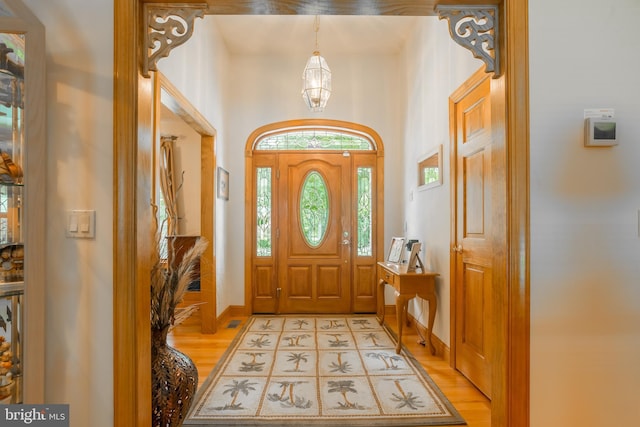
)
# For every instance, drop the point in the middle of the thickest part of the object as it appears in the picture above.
(315, 237)
(472, 248)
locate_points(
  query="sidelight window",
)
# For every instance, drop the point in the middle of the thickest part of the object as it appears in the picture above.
(365, 207)
(263, 211)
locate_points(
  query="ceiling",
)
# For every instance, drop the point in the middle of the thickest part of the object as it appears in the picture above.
(295, 34)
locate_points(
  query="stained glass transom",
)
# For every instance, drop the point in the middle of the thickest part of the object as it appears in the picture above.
(314, 209)
(314, 139)
(263, 212)
(364, 212)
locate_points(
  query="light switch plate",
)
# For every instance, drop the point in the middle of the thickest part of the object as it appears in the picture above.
(81, 224)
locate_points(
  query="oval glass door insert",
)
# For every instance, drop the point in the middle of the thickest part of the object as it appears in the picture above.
(314, 209)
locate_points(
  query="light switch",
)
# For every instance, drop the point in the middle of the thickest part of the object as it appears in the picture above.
(85, 222)
(81, 224)
(73, 223)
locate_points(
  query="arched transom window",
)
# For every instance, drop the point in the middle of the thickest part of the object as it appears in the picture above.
(314, 139)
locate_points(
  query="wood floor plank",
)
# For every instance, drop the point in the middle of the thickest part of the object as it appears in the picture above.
(206, 349)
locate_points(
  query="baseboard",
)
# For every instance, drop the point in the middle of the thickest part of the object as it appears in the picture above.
(229, 313)
(390, 310)
(442, 350)
(190, 297)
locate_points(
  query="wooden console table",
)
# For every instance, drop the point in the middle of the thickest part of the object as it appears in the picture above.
(407, 284)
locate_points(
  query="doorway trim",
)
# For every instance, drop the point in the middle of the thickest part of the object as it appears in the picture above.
(313, 124)
(182, 108)
(132, 216)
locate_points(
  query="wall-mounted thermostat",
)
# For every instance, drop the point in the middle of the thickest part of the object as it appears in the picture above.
(600, 132)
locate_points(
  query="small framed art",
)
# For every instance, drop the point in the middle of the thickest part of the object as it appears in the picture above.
(395, 250)
(223, 184)
(430, 169)
(414, 257)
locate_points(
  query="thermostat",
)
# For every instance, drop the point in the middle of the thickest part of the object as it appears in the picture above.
(599, 132)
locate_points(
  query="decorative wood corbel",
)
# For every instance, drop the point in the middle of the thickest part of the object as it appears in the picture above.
(168, 25)
(476, 29)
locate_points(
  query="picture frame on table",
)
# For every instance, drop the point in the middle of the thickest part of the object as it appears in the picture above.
(395, 250)
(414, 257)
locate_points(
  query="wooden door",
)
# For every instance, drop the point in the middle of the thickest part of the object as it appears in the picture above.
(472, 248)
(315, 240)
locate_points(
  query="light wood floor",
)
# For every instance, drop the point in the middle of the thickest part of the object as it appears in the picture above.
(205, 351)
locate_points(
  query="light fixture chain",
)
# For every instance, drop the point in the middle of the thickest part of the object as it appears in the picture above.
(317, 28)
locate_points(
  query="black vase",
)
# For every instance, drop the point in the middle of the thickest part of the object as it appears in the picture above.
(174, 381)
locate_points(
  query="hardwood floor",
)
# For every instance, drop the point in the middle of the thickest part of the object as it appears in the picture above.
(205, 350)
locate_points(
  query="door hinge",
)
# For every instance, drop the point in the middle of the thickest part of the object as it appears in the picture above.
(277, 173)
(277, 233)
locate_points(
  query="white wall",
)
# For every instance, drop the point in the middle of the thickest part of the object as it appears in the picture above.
(198, 69)
(585, 251)
(79, 286)
(436, 66)
(366, 90)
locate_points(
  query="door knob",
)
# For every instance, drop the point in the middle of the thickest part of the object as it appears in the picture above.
(457, 249)
(346, 242)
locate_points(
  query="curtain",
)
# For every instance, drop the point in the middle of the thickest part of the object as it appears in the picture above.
(167, 182)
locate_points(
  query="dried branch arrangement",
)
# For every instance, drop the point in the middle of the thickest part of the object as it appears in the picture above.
(169, 283)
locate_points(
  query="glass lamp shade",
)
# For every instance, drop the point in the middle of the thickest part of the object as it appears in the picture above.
(316, 82)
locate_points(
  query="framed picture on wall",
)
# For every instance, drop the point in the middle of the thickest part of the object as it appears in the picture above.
(395, 250)
(430, 172)
(223, 184)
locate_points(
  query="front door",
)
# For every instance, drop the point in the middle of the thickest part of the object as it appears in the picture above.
(315, 240)
(472, 248)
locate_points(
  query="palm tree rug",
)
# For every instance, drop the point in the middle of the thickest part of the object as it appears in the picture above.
(319, 371)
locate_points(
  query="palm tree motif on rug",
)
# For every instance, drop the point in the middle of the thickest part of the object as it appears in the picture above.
(253, 365)
(344, 367)
(288, 398)
(296, 340)
(297, 359)
(235, 389)
(406, 399)
(390, 360)
(344, 387)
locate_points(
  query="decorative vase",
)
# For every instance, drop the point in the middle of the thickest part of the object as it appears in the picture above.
(174, 381)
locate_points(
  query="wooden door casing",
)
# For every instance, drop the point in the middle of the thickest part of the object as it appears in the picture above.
(473, 252)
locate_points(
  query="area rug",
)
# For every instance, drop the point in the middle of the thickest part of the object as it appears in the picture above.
(319, 371)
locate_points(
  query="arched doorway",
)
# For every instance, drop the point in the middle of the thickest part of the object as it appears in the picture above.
(314, 217)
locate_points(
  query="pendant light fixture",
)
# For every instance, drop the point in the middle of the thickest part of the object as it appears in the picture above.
(316, 79)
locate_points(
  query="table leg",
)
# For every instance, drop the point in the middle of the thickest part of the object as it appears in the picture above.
(433, 306)
(381, 302)
(401, 310)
